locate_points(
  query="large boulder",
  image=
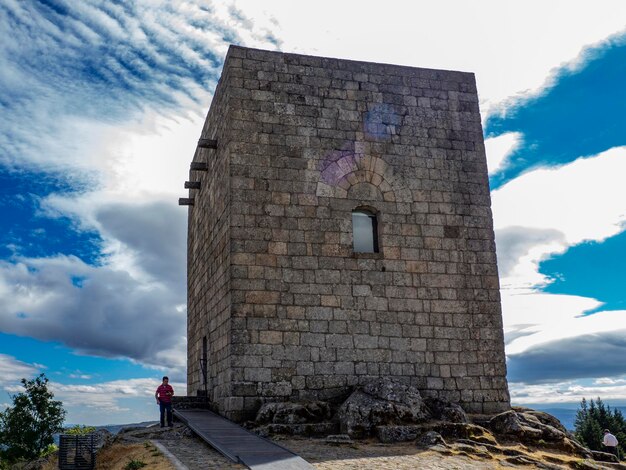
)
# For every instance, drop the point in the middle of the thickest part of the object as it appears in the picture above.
(536, 428)
(294, 419)
(397, 392)
(510, 423)
(293, 413)
(361, 413)
(397, 433)
(429, 439)
(472, 450)
(458, 431)
(528, 461)
(603, 456)
(446, 411)
(542, 416)
(529, 426)
(103, 437)
(380, 403)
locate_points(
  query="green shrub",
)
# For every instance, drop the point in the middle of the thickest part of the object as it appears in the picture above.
(27, 428)
(51, 449)
(79, 430)
(134, 465)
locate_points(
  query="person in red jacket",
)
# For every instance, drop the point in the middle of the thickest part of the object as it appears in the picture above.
(163, 395)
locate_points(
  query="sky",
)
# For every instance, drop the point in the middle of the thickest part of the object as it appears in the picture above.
(101, 106)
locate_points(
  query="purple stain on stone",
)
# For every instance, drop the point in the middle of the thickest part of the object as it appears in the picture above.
(381, 121)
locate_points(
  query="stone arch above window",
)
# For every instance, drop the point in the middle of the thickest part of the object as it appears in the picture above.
(365, 191)
(340, 176)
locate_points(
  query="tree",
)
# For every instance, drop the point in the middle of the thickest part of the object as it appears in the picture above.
(27, 427)
(593, 418)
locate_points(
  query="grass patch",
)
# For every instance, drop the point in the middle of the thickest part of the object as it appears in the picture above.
(118, 456)
(135, 464)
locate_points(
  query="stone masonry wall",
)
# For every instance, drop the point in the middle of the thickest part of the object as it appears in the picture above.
(209, 254)
(310, 140)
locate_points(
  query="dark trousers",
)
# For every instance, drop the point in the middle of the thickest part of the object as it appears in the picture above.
(613, 450)
(166, 407)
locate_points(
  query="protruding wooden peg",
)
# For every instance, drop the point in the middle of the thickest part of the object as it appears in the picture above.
(198, 166)
(192, 184)
(207, 144)
(185, 201)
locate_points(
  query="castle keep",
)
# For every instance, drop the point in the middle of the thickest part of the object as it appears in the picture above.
(340, 230)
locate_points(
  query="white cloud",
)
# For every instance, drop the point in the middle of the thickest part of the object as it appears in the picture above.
(546, 211)
(609, 381)
(107, 65)
(121, 401)
(535, 318)
(150, 157)
(499, 148)
(540, 214)
(510, 47)
(117, 111)
(580, 355)
(517, 253)
(95, 310)
(585, 200)
(107, 396)
(13, 370)
(562, 392)
(565, 392)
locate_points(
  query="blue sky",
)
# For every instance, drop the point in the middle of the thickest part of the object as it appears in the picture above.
(102, 103)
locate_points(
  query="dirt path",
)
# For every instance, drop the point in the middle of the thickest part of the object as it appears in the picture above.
(372, 455)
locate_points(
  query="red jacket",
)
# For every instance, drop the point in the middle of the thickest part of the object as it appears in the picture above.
(164, 393)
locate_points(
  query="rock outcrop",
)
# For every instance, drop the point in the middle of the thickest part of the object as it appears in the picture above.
(296, 419)
(430, 438)
(603, 456)
(381, 403)
(293, 413)
(396, 412)
(445, 411)
(536, 428)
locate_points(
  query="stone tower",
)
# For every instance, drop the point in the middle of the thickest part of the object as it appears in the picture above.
(340, 230)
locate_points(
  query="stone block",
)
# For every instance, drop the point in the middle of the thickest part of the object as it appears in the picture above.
(257, 374)
(270, 337)
(262, 297)
(243, 389)
(339, 341)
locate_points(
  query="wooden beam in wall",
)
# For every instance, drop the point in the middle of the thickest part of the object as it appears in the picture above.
(198, 166)
(207, 144)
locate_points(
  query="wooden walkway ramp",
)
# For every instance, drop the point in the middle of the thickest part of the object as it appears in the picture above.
(240, 445)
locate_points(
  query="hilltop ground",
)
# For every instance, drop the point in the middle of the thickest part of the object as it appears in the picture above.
(137, 446)
(358, 455)
(120, 456)
(449, 439)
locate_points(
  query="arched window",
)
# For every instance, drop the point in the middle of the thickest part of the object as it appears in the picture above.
(364, 231)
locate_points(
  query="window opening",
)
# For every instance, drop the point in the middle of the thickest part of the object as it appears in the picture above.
(364, 232)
